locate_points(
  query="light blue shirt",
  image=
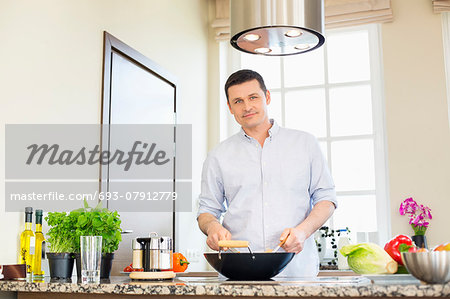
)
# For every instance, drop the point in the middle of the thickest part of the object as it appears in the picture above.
(260, 191)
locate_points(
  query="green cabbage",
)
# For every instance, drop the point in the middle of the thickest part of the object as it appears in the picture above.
(369, 258)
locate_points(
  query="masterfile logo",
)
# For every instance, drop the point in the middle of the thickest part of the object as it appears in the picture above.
(139, 167)
(45, 153)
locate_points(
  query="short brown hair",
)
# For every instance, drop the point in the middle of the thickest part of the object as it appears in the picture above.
(243, 76)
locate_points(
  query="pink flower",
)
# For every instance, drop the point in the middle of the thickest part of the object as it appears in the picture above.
(408, 206)
(418, 219)
(426, 211)
(418, 214)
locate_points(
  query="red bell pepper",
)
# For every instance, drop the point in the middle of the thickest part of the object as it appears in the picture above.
(392, 247)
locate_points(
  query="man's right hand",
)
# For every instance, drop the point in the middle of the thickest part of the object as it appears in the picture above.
(212, 228)
(216, 232)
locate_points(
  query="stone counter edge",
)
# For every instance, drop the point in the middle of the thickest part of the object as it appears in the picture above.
(215, 289)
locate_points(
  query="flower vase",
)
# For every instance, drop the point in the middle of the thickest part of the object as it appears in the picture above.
(420, 241)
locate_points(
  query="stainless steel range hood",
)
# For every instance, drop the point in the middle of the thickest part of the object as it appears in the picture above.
(277, 27)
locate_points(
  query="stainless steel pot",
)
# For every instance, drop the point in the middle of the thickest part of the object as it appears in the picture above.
(158, 253)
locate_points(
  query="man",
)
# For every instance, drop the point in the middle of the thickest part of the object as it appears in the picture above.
(269, 183)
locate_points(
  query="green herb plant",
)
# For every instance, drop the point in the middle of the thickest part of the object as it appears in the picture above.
(97, 221)
(60, 236)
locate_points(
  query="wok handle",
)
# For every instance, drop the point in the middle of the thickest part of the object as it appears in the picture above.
(233, 243)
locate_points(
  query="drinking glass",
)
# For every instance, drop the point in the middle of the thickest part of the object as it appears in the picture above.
(91, 257)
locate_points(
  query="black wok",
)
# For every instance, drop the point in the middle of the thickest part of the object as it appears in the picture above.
(249, 266)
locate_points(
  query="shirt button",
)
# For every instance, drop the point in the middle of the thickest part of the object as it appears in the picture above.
(265, 183)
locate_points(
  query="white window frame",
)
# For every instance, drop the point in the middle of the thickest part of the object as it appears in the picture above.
(231, 61)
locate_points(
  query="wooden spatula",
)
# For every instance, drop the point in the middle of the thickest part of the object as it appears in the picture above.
(279, 245)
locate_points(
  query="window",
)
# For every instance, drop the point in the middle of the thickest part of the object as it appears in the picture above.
(335, 93)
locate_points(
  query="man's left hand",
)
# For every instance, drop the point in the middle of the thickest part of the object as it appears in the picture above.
(295, 239)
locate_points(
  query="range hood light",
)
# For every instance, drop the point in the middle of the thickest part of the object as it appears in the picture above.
(263, 50)
(251, 37)
(302, 47)
(293, 33)
(276, 27)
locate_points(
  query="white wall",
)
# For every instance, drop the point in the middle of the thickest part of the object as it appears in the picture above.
(51, 72)
(417, 127)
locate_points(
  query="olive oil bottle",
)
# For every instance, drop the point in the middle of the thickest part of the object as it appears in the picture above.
(39, 247)
(27, 240)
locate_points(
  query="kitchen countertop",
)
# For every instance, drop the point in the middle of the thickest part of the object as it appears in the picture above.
(323, 286)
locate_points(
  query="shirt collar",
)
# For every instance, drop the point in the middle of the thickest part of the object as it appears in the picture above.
(272, 131)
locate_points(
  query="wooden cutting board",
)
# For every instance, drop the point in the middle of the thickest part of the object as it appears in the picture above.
(152, 275)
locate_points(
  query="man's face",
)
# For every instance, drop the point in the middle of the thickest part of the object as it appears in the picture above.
(248, 103)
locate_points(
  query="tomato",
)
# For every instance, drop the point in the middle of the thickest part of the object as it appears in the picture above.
(412, 249)
(128, 268)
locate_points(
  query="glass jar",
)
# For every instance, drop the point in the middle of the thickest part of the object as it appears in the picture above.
(138, 253)
(166, 253)
(344, 239)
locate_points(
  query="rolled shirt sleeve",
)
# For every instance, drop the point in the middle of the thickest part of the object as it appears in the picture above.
(321, 186)
(212, 198)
